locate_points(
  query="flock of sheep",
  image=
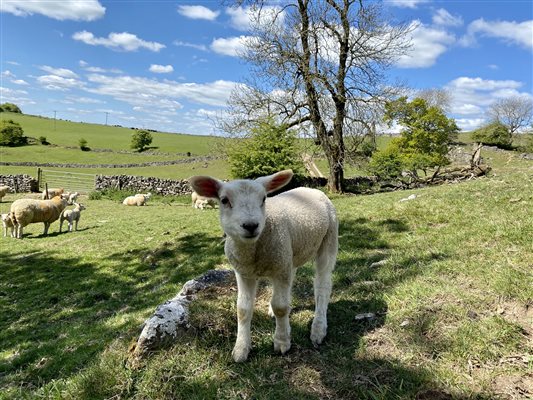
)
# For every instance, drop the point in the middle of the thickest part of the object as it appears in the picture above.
(51, 207)
(266, 237)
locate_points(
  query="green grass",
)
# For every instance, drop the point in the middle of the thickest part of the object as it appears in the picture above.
(453, 302)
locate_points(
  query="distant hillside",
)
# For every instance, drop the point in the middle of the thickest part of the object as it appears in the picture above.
(67, 133)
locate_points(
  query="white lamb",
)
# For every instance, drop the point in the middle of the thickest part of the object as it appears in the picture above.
(72, 197)
(7, 222)
(72, 216)
(3, 191)
(137, 200)
(201, 202)
(26, 211)
(271, 237)
(52, 193)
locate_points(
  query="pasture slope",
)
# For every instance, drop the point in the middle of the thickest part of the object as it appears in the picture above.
(452, 297)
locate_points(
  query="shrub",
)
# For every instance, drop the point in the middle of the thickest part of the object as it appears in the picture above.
(268, 148)
(43, 141)
(83, 145)
(10, 107)
(11, 134)
(494, 134)
(387, 163)
(140, 140)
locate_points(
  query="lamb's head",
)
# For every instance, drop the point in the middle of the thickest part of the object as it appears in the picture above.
(242, 202)
(79, 206)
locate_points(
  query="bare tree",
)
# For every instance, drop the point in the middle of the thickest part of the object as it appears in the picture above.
(318, 66)
(440, 98)
(514, 112)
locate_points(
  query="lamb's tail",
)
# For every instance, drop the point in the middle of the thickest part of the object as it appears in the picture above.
(13, 218)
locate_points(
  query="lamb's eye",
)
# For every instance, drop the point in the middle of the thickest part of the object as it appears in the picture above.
(225, 201)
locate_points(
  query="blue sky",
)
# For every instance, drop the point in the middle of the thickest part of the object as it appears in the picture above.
(170, 65)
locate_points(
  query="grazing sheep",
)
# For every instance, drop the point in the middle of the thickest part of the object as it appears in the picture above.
(271, 237)
(26, 211)
(72, 217)
(137, 200)
(8, 223)
(52, 193)
(3, 191)
(202, 202)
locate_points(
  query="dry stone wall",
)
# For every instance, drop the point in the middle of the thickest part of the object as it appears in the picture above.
(143, 184)
(19, 183)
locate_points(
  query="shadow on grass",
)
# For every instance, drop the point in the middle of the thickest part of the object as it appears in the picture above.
(58, 313)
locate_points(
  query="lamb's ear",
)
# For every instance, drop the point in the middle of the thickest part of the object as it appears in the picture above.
(276, 181)
(205, 186)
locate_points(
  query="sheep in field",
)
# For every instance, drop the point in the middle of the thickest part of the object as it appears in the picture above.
(3, 191)
(72, 197)
(26, 211)
(8, 223)
(202, 202)
(270, 238)
(72, 217)
(52, 193)
(137, 200)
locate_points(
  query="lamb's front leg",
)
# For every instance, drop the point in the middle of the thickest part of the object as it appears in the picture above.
(247, 288)
(280, 307)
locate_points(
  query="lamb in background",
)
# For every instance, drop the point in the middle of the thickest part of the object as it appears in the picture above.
(271, 237)
(138, 200)
(26, 211)
(72, 217)
(72, 197)
(52, 193)
(3, 191)
(201, 202)
(7, 222)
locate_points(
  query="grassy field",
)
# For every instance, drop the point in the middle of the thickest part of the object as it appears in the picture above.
(453, 300)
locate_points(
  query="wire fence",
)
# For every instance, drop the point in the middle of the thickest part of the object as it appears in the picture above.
(70, 181)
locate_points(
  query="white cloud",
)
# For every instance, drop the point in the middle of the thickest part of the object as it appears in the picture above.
(86, 10)
(198, 12)
(161, 69)
(469, 124)
(406, 3)
(479, 84)
(243, 18)
(7, 73)
(63, 72)
(12, 62)
(493, 66)
(193, 45)
(427, 45)
(232, 46)
(84, 100)
(444, 18)
(60, 83)
(15, 96)
(20, 82)
(143, 92)
(118, 41)
(519, 33)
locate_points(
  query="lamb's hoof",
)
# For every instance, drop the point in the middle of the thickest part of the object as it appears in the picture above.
(240, 354)
(318, 333)
(282, 346)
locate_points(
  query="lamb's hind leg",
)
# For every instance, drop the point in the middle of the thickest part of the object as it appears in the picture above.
(325, 263)
(245, 307)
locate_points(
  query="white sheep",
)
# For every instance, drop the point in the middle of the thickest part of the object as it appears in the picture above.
(26, 211)
(72, 216)
(271, 237)
(7, 222)
(201, 202)
(138, 200)
(3, 191)
(52, 193)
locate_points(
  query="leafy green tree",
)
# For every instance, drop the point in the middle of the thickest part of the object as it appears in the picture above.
(83, 144)
(387, 163)
(140, 140)
(494, 134)
(10, 107)
(427, 133)
(12, 134)
(268, 148)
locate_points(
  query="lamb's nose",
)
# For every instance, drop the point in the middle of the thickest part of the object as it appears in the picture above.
(250, 227)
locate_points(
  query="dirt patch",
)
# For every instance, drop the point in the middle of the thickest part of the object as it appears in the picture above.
(521, 314)
(515, 386)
